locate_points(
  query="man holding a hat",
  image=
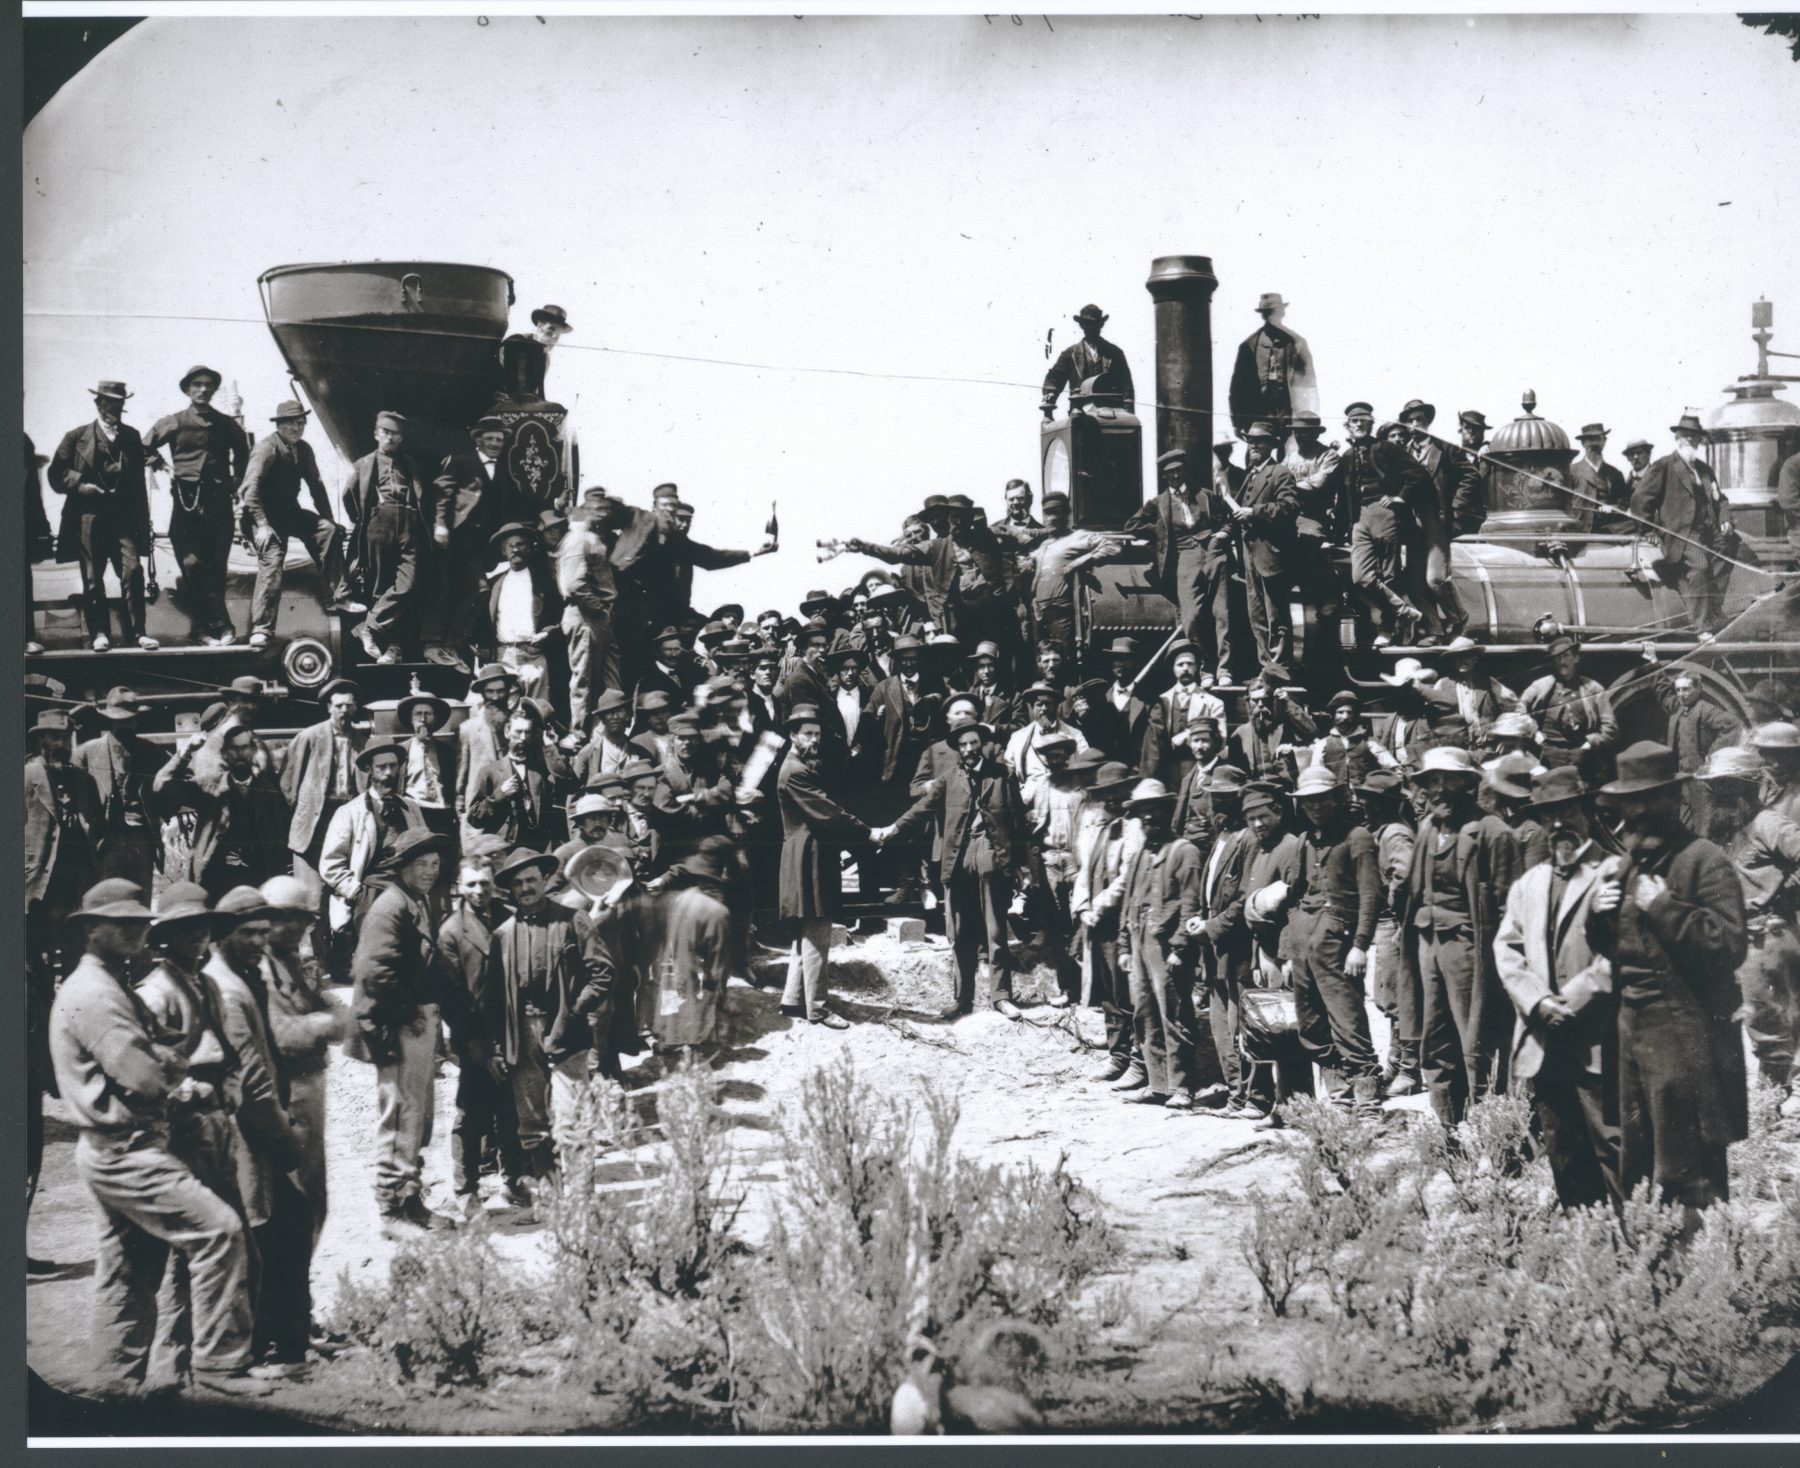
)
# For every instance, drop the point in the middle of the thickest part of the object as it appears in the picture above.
(243, 820)
(280, 1218)
(385, 502)
(280, 464)
(470, 501)
(1188, 529)
(1602, 487)
(1092, 356)
(210, 454)
(1670, 915)
(1764, 846)
(1564, 1050)
(363, 832)
(117, 1079)
(1679, 494)
(1697, 726)
(1573, 712)
(396, 1009)
(98, 468)
(550, 974)
(1274, 375)
(584, 579)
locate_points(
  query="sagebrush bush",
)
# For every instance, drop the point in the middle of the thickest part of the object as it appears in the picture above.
(1457, 1286)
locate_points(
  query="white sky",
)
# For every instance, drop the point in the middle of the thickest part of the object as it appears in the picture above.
(1457, 209)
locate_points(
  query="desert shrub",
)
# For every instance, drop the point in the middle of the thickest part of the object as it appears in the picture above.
(442, 1315)
(1455, 1285)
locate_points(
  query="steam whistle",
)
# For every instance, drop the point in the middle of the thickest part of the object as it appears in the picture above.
(773, 528)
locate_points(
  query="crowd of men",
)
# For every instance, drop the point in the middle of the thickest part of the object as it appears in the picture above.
(635, 801)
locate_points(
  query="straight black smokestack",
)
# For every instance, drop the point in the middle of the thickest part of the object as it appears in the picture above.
(1182, 287)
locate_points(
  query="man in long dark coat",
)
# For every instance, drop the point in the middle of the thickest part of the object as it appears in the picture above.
(1092, 356)
(98, 468)
(1273, 376)
(385, 503)
(1680, 495)
(1189, 530)
(814, 828)
(468, 494)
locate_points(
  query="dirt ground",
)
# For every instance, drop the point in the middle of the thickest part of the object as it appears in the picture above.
(1174, 1186)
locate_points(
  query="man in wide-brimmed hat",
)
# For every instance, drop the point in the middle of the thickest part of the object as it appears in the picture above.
(524, 605)
(1777, 742)
(1023, 754)
(1225, 945)
(1679, 495)
(608, 749)
(385, 502)
(396, 1010)
(1376, 479)
(1092, 356)
(98, 468)
(1105, 844)
(1670, 915)
(1188, 531)
(1273, 375)
(1562, 1051)
(243, 821)
(1764, 846)
(552, 976)
(472, 497)
(1393, 981)
(280, 464)
(1469, 687)
(428, 773)
(515, 795)
(279, 1215)
(1604, 493)
(363, 834)
(209, 454)
(1446, 927)
(984, 850)
(116, 1078)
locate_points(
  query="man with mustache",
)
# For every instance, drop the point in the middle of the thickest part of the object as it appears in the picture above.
(362, 834)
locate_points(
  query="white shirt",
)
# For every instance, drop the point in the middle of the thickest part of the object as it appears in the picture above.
(109, 434)
(487, 466)
(424, 781)
(515, 622)
(1121, 696)
(849, 702)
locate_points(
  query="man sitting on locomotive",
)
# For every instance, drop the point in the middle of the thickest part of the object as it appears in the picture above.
(1376, 481)
(1574, 714)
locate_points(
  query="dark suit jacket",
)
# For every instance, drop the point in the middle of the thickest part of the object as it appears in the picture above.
(1684, 500)
(177, 788)
(465, 500)
(898, 743)
(133, 790)
(1270, 493)
(467, 1004)
(394, 968)
(83, 458)
(814, 827)
(1075, 364)
(270, 493)
(803, 685)
(1159, 521)
(956, 797)
(360, 496)
(1225, 928)
(306, 776)
(488, 810)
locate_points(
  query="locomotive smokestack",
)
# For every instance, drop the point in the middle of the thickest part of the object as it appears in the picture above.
(1182, 287)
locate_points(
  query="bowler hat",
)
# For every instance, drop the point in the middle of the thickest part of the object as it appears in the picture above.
(1418, 405)
(414, 843)
(1260, 433)
(488, 423)
(119, 705)
(1733, 762)
(488, 673)
(1270, 301)
(512, 527)
(107, 388)
(1227, 780)
(1644, 767)
(288, 408)
(1115, 776)
(1056, 497)
(1344, 698)
(1561, 786)
(1592, 430)
(1091, 758)
(181, 902)
(366, 756)
(1147, 793)
(816, 600)
(1122, 647)
(1689, 424)
(440, 710)
(199, 371)
(1090, 313)
(634, 770)
(1307, 421)
(524, 859)
(1316, 780)
(553, 315)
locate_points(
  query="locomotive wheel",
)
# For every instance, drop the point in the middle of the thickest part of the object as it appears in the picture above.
(307, 663)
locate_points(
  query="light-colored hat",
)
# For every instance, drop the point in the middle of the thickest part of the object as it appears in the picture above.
(1147, 793)
(288, 894)
(1733, 762)
(1778, 735)
(1449, 759)
(1316, 780)
(1514, 725)
(1407, 670)
(1265, 902)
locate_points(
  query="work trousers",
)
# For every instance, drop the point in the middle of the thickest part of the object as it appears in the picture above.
(1397, 994)
(333, 954)
(485, 1120)
(404, 1106)
(1110, 988)
(1162, 1004)
(306, 1111)
(284, 1245)
(1054, 620)
(1479, 1010)
(323, 542)
(201, 540)
(1375, 560)
(149, 1204)
(1769, 979)
(205, 1141)
(1663, 1135)
(1581, 1143)
(1428, 579)
(1224, 982)
(1448, 1062)
(1701, 582)
(456, 584)
(392, 548)
(1056, 929)
(1329, 1004)
(102, 543)
(1267, 599)
(593, 661)
(1203, 602)
(977, 903)
(806, 967)
(543, 1096)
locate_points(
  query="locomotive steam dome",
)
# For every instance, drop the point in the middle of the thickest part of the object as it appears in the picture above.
(1527, 452)
(1752, 434)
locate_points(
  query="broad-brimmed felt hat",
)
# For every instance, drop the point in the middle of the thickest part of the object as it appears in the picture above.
(246, 686)
(1473, 418)
(181, 902)
(1091, 758)
(109, 388)
(1406, 671)
(1114, 777)
(1642, 768)
(1227, 780)
(1040, 690)
(592, 801)
(1689, 424)
(1317, 780)
(488, 423)
(1148, 793)
(287, 896)
(339, 685)
(200, 370)
(120, 705)
(1514, 724)
(1344, 698)
(1055, 739)
(1733, 762)
(816, 599)
(1636, 444)
(1561, 786)
(1461, 645)
(523, 859)
(1563, 642)
(288, 409)
(1091, 312)
(634, 770)
(1510, 775)
(1448, 759)
(954, 732)
(52, 721)
(596, 868)
(243, 904)
(490, 673)
(1260, 794)
(1307, 421)
(653, 700)
(366, 756)
(1381, 784)
(551, 315)
(412, 844)
(440, 711)
(1779, 734)
(512, 527)
(1418, 405)
(1261, 433)
(1592, 430)
(802, 713)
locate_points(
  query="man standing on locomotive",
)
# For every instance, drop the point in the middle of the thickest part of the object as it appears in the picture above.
(384, 502)
(1680, 496)
(470, 489)
(1375, 482)
(279, 464)
(210, 456)
(1189, 532)
(98, 468)
(1574, 713)
(1092, 356)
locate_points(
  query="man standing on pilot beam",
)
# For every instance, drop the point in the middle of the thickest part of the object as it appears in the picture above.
(384, 502)
(210, 456)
